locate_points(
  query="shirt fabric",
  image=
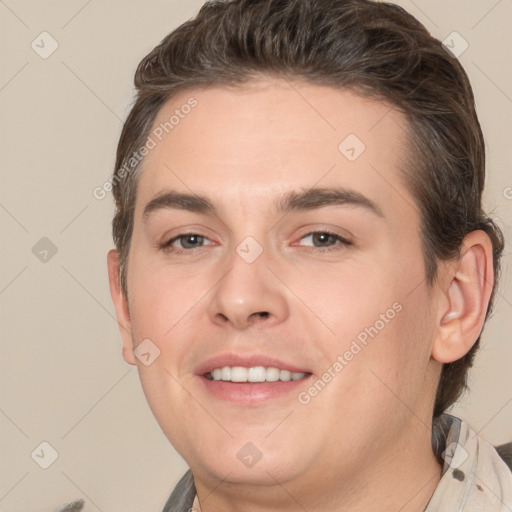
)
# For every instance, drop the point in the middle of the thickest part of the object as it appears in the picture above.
(474, 477)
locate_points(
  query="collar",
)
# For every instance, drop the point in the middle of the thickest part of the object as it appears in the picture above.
(474, 476)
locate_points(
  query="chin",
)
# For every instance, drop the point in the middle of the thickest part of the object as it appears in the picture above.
(230, 470)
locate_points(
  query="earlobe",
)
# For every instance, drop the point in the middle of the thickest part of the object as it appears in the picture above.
(121, 305)
(468, 286)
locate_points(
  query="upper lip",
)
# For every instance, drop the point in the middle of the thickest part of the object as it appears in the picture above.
(248, 361)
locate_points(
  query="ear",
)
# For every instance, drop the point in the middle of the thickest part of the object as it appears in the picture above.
(121, 305)
(467, 286)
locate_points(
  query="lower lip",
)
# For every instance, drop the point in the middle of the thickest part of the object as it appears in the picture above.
(248, 393)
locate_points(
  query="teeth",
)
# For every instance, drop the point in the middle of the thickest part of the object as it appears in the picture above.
(254, 374)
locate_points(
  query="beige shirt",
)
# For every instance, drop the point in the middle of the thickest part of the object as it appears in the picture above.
(474, 477)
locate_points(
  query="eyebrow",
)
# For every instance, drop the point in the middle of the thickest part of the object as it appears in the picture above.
(309, 199)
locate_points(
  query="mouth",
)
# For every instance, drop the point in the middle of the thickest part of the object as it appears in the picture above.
(251, 380)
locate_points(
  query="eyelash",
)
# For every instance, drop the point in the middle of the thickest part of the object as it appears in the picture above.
(167, 246)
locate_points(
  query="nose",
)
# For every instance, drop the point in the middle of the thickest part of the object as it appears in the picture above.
(249, 294)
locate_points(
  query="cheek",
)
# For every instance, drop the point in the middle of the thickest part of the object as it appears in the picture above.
(393, 361)
(163, 310)
(350, 300)
(162, 299)
(381, 326)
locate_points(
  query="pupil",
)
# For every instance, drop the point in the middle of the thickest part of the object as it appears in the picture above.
(322, 237)
(192, 239)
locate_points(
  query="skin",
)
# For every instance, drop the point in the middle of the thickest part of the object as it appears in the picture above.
(369, 428)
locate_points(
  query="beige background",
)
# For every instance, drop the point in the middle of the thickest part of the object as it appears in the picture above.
(63, 380)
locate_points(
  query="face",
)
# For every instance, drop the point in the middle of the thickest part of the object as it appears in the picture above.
(272, 231)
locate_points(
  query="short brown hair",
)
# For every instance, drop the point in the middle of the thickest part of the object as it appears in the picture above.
(374, 49)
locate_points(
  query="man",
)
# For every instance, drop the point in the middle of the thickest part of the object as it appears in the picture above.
(303, 267)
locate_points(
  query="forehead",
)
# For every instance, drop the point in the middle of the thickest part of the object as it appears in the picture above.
(273, 136)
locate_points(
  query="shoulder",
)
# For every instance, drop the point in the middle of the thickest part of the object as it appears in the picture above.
(505, 452)
(75, 506)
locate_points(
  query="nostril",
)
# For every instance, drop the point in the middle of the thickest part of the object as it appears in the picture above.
(259, 314)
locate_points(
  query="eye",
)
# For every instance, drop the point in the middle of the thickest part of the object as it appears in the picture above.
(326, 241)
(187, 241)
(323, 241)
